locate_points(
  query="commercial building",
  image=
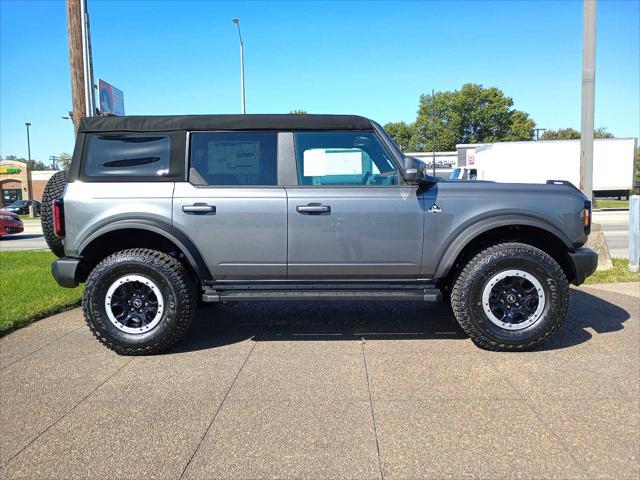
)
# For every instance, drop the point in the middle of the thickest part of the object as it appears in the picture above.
(18, 183)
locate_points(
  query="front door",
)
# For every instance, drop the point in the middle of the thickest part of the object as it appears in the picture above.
(232, 208)
(350, 216)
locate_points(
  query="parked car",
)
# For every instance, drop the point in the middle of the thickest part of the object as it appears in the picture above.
(21, 207)
(10, 223)
(158, 213)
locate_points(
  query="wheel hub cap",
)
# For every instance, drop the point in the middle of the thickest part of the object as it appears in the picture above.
(134, 304)
(513, 299)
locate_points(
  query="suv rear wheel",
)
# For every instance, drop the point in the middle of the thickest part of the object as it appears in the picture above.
(139, 301)
(511, 296)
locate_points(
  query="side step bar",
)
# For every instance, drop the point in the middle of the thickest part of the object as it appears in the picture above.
(417, 295)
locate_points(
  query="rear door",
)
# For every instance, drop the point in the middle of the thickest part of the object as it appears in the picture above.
(232, 207)
(351, 216)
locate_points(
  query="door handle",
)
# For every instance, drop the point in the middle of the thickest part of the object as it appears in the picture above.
(313, 209)
(199, 209)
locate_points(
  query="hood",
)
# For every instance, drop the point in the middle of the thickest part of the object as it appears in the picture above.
(9, 214)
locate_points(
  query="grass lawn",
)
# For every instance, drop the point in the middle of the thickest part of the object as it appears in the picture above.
(28, 291)
(610, 203)
(619, 273)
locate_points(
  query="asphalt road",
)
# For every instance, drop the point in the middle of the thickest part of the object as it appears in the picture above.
(340, 390)
(615, 226)
(30, 239)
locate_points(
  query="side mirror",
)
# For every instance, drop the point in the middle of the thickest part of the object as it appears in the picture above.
(415, 172)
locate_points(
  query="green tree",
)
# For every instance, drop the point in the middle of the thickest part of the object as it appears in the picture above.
(298, 112)
(403, 134)
(64, 161)
(573, 134)
(561, 134)
(602, 133)
(36, 165)
(473, 114)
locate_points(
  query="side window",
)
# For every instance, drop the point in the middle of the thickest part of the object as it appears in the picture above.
(234, 158)
(130, 155)
(345, 158)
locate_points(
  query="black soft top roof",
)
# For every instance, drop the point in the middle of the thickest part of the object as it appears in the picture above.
(164, 123)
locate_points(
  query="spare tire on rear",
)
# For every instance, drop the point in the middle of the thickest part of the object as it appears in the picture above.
(54, 189)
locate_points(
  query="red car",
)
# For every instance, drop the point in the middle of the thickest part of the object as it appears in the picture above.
(10, 223)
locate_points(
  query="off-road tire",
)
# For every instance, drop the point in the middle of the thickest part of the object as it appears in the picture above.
(466, 297)
(175, 283)
(54, 189)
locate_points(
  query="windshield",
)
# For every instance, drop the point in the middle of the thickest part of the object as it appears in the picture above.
(454, 174)
(18, 203)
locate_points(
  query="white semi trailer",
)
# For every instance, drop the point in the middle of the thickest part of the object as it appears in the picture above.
(537, 162)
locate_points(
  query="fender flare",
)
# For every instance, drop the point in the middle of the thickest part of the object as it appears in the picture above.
(166, 230)
(469, 232)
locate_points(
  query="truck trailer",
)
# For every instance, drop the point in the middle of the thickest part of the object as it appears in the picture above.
(537, 162)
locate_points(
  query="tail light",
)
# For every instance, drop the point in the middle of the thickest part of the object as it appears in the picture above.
(58, 217)
(587, 217)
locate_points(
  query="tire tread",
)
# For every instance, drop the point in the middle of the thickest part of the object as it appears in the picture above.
(460, 296)
(182, 282)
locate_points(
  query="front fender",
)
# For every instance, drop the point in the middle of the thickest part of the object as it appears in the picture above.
(466, 233)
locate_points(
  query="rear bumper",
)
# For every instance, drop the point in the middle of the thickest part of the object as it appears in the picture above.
(584, 262)
(64, 270)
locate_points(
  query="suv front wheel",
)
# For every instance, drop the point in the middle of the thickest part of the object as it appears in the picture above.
(511, 296)
(139, 301)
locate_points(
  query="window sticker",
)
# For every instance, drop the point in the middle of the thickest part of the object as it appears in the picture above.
(233, 157)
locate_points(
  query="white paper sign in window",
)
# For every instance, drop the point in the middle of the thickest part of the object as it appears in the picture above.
(314, 162)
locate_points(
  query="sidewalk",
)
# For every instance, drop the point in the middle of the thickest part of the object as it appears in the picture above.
(343, 390)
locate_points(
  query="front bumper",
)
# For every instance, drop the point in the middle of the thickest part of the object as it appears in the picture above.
(584, 262)
(64, 271)
(11, 229)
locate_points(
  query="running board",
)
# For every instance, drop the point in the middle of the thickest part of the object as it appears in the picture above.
(417, 295)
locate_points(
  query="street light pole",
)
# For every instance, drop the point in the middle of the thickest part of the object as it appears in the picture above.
(27, 124)
(237, 22)
(29, 194)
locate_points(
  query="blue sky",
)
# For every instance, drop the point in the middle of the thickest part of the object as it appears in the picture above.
(368, 58)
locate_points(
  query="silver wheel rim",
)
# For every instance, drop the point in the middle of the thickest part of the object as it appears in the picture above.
(134, 304)
(513, 299)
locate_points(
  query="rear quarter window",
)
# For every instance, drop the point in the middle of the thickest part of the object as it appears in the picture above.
(128, 156)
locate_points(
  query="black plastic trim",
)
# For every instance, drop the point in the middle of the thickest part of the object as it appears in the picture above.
(167, 230)
(64, 271)
(584, 262)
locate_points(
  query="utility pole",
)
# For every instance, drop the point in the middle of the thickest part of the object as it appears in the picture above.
(76, 61)
(588, 97)
(538, 130)
(237, 22)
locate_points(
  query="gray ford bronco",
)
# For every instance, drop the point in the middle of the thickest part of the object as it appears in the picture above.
(161, 213)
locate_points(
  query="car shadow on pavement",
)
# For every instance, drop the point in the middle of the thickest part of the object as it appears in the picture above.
(219, 325)
(586, 312)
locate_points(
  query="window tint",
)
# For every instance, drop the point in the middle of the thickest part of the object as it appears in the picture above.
(128, 155)
(234, 158)
(343, 159)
